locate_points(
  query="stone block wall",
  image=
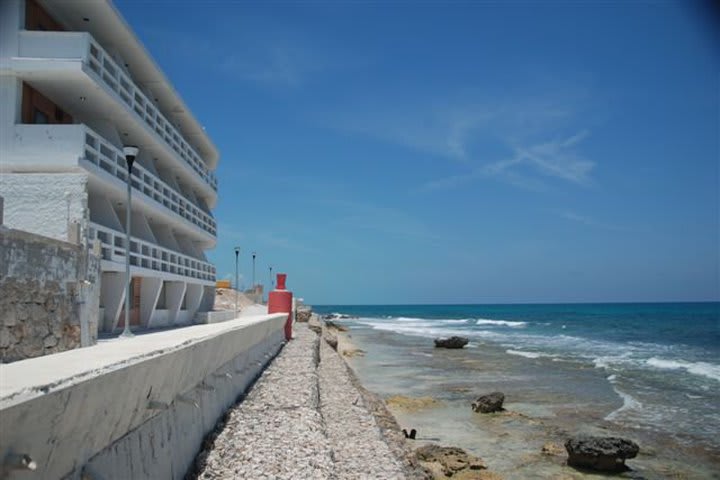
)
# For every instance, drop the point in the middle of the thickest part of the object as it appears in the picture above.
(47, 291)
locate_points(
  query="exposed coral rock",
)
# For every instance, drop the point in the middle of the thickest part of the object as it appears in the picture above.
(449, 461)
(492, 402)
(411, 403)
(452, 342)
(607, 454)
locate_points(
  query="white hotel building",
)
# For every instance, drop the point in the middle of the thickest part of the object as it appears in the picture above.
(76, 85)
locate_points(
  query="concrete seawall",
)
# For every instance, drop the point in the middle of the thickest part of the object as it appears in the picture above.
(136, 408)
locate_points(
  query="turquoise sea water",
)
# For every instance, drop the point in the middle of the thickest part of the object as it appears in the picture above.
(651, 368)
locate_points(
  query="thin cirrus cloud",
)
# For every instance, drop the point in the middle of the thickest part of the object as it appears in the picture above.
(529, 133)
(555, 158)
(273, 64)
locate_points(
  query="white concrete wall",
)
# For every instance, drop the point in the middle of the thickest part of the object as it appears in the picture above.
(39, 203)
(12, 18)
(88, 411)
(11, 101)
(44, 148)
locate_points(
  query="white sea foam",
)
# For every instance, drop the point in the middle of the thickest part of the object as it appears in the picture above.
(612, 378)
(629, 403)
(525, 354)
(704, 369)
(504, 323)
(611, 360)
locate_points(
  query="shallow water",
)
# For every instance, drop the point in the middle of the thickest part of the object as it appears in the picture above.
(600, 386)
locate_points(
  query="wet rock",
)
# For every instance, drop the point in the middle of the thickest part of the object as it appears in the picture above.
(331, 339)
(333, 325)
(402, 402)
(607, 454)
(452, 342)
(448, 461)
(492, 402)
(552, 448)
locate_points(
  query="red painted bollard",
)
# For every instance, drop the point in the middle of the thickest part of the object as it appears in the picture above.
(280, 301)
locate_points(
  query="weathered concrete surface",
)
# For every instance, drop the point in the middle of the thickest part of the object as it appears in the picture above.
(45, 203)
(304, 418)
(130, 408)
(49, 295)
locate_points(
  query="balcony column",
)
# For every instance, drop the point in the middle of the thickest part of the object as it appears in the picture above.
(112, 293)
(149, 294)
(175, 292)
(192, 302)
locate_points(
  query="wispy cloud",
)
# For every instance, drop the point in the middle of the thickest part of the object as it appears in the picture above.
(274, 64)
(279, 241)
(523, 140)
(590, 222)
(555, 158)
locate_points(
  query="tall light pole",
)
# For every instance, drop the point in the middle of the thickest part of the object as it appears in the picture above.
(253, 272)
(271, 280)
(130, 153)
(237, 252)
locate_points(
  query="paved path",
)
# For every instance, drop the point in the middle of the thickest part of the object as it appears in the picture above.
(303, 419)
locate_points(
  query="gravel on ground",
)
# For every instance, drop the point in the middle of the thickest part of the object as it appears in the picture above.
(305, 418)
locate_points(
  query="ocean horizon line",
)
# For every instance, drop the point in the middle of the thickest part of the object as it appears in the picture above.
(662, 302)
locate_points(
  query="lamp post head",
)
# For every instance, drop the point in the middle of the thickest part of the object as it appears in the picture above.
(130, 153)
(237, 250)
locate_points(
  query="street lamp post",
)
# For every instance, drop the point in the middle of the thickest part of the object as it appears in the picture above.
(237, 252)
(253, 272)
(130, 153)
(271, 279)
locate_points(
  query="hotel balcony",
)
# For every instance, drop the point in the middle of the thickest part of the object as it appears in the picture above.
(150, 257)
(73, 70)
(64, 147)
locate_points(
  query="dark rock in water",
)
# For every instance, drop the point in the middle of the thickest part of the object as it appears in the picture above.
(410, 435)
(492, 402)
(607, 454)
(449, 460)
(452, 342)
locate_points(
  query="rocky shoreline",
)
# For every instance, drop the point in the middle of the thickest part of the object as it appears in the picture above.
(307, 416)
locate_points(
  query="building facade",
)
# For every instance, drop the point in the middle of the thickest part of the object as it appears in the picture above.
(76, 86)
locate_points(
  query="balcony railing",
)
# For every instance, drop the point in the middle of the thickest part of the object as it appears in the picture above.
(36, 44)
(103, 154)
(144, 254)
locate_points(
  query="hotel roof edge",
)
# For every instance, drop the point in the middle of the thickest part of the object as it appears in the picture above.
(134, 52)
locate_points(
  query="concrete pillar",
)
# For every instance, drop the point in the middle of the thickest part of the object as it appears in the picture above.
(174, 293)
(12, 19)
(149, 293)
(112, 294)
(194, 295)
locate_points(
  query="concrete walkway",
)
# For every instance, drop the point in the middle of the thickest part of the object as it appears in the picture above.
(303, 419)
(20, 381)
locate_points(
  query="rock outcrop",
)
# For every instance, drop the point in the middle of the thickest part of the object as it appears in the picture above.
(492, 402)
(452, 342)
(303, 315)
(411, 404)
(606, 454)
(448, 461)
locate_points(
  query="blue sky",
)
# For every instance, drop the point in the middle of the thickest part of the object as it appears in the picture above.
(457, 152)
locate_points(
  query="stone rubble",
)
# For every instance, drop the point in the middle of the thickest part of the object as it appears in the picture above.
(303, 419)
